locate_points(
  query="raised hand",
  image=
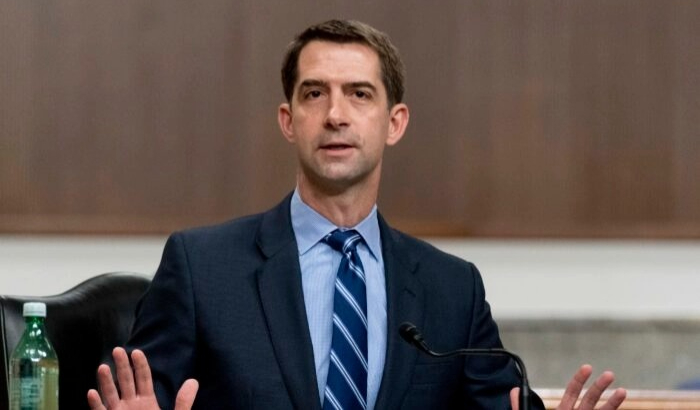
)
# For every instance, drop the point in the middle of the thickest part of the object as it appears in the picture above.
(593, 394)
(136, 386)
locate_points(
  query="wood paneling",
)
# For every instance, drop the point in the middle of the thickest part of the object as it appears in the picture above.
(538, 118)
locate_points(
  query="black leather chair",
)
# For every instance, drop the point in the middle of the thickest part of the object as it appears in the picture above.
(84, 324)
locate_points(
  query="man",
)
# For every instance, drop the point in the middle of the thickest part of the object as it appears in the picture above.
(299, 307)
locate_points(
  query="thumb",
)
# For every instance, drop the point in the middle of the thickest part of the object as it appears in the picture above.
(186, 394)
(514, 398)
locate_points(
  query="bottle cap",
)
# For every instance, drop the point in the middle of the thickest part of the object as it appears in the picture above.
(34, 309)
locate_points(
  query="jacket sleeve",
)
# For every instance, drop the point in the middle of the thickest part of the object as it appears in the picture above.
(164, 326)
(488, 379)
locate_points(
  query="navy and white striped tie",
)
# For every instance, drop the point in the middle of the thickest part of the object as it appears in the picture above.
(346, 387)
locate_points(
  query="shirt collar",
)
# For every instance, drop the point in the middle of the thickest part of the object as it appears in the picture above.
(310, 227)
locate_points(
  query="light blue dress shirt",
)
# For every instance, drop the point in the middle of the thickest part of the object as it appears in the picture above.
(319, 266)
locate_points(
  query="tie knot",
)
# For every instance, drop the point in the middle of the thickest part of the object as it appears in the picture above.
(343, 241)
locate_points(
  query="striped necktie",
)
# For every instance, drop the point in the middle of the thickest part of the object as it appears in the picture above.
(346, 387)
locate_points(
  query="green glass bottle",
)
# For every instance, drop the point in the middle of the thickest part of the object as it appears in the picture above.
(34, 365)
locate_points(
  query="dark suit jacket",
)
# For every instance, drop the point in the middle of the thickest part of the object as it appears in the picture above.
(226, 307)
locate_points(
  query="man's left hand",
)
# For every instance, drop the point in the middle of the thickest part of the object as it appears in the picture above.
(590, 398)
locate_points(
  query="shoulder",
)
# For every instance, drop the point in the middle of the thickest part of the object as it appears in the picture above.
(232, 230)
(415, 251)
(241, 232)
(447, 283)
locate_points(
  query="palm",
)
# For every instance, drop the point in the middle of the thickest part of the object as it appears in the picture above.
(137, 403)
(136, 386)
(590, 398)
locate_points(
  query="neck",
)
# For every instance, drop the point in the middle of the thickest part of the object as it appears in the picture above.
(344, 207)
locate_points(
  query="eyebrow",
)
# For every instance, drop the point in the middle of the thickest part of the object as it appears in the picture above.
(345, 86)
(360, 84)
(313, 83)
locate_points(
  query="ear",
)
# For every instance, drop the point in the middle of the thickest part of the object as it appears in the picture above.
(398, 121)
(284, 118)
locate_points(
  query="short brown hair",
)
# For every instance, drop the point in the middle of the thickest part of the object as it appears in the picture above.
(393, 72)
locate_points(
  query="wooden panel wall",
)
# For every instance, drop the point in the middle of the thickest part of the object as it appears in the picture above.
(529, 119)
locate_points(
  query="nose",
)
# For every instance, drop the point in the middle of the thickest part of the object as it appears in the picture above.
(336, 117)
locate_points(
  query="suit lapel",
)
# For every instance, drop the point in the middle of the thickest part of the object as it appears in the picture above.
(281, 294)
(404, 304)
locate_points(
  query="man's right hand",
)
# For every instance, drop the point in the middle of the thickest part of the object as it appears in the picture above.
(136, 386)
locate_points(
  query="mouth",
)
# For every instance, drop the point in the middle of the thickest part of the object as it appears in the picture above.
(336, 146)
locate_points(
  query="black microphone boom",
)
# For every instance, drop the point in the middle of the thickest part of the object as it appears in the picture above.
(413, 336)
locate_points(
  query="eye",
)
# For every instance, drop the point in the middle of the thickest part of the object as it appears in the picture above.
(313, 94)
(363, 95)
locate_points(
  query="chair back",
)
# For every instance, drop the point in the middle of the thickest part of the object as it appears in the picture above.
(84, 324)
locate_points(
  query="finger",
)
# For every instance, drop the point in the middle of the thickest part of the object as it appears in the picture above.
(142, 373)
(590, 399)
(125, 374)
(573, 389)
(106, 385)
(186, 394)
(515, 398)
(94, 400)
(615, 400)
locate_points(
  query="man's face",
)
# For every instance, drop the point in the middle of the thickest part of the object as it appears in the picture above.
(339, 119)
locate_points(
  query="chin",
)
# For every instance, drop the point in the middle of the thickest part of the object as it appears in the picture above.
(335, 184)
(337, 177)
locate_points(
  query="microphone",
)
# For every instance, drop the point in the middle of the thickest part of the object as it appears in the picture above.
(410, 333)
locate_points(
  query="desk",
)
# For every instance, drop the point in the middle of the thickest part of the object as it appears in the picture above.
(638, 399)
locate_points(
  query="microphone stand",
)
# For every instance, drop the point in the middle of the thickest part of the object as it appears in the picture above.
(410, 333)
